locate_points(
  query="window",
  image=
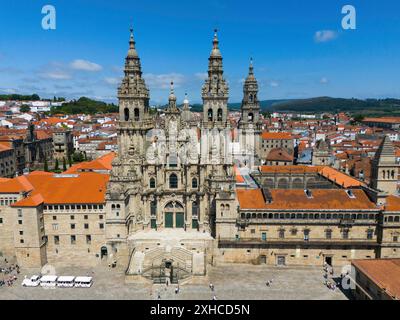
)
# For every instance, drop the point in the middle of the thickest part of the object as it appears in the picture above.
(56, 240)
(72, 217)
(195, 209)
(86, 217)
(220, 114)
(126, 114)
(173, 181)
(54, 217)
(345, 234)
(137, 114)
(73, 239)
(281, 234)
(210, 115)
(21, 241)
(264, 236)
(370, 234)
(55, 226)
(21, 233)
(153, 208)
(328, 234)
(86, 226)
(293, 232)
(1, 220)
(306, 235)
(19, 213)
(152, 183)
(88, 239)
(194, 183)
(395, 239)
(101, 217)
(19, 221)
(101, 225)
(72, 226)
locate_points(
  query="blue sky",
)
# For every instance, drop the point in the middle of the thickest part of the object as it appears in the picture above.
(84, 56)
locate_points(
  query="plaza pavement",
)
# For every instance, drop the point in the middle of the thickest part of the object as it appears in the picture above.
(231, 282)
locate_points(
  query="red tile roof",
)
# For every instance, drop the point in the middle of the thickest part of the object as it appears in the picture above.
(277, 136)
(385, 273)
(324, 199)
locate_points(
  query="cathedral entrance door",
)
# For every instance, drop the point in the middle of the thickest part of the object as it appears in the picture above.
(180, 220)
(169, 220)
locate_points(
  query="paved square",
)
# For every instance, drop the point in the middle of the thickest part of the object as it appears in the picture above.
(231, 282)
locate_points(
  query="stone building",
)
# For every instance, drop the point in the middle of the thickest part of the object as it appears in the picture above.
(7, 161)
(275, 140)
(321, 154)
(63, 143)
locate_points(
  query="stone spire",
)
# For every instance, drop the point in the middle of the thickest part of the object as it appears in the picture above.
(132, 49)
(250, 104)
(172, 107)
(215, 51)
(384, 173)
(215, 90)
(133, 83)
(186, 104)
(186, 113)
(386, 153)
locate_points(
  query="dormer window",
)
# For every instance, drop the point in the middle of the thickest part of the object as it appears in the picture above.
(308, 193)
(350, 194)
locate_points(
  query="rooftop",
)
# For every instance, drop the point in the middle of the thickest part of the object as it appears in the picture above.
(385, 273)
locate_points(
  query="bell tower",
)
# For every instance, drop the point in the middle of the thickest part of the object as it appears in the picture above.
(133, 96)
(385, 170)
(215, 91)
(250, 124)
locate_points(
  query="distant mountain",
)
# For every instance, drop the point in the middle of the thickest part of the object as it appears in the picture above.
(328, 104)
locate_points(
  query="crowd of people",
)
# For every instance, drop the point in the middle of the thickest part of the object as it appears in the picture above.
(9, 273)
(328, 271)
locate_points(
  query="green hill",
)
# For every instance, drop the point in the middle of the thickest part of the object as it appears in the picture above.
(328, 104)
(86, 106)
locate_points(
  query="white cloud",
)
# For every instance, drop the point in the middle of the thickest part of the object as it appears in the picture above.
(85, 65)
(274, 84)
(112, 81)
(56, 75)
(325, 35)
(324, 80)
(201, 75)
(163, 81)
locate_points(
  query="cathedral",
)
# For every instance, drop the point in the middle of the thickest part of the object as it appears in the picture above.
(168, 174)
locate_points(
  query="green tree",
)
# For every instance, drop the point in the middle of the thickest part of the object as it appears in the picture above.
(64, 165)
(24, 108)
(69, 160)
(57, 166)
(46, 165)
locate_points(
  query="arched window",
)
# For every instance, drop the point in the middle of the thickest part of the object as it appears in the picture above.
(153, 208)
(137, 117)
(126, 114)
(210, 115)
(195, 209)
(194, 183)
(220, 114)
(251, 99)
(173, 181)
(251, 117)
(152, 183)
